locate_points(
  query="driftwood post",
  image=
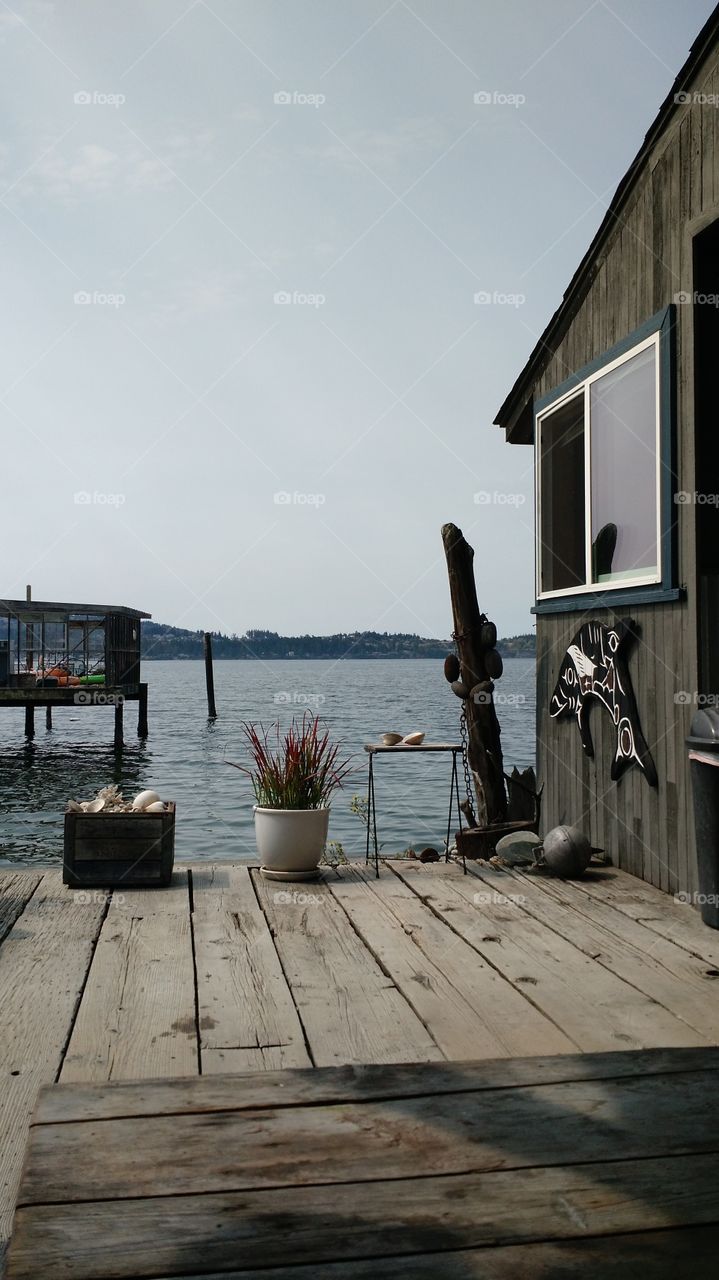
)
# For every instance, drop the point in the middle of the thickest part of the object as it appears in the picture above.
(484, 746)
(209, 677)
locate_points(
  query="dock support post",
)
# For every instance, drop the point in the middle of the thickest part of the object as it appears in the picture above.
(119, 740)
(29, 720)
(209, 678)
(142, 729)
(48, 717)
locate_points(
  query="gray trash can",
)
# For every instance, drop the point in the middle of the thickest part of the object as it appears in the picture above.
(703, 744)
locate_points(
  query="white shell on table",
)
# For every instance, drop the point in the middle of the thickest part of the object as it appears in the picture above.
(414, 739)
(94, 806)
(144, 799)
(157, 806)
(391, 739)
(74, 807)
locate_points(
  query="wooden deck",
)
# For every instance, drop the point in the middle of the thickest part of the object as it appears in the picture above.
(224, 973)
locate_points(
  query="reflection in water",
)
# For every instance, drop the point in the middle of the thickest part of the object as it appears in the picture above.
(184, 756)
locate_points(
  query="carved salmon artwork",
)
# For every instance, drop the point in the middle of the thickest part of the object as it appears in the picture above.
(595, 666)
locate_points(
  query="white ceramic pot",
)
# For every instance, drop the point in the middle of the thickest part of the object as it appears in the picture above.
(291, 840)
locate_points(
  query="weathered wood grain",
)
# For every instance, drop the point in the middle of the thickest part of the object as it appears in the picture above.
(350, 1010)
(137, 1016)
(362, 1220)
(43, 962)
(235, 1150)
(555, 974)
(16, 890)
(470, 1009)
(659, 1254)
(247, 1017)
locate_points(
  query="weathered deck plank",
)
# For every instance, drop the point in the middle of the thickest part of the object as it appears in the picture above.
(470, 1009)
(361, 1220)
(43, 962)
(16, 890)
(595, 1008)
(351, 1011)
(137, 1016)
(247, 1017)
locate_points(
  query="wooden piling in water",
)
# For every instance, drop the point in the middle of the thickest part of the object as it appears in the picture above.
(119, 740)
(142, 729)
(48, 717)
(29, 720)
(209, 677)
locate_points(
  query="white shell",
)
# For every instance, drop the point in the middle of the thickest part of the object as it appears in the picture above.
(156, 807)
(414, 739)
(144, 799)
(95, 806)
(74, 807)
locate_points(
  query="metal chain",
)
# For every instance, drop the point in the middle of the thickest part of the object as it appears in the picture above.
(465, 755)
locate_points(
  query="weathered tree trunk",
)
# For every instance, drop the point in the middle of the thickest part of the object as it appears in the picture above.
(483, 732)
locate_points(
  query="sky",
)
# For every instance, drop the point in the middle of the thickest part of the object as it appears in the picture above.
(269, 268)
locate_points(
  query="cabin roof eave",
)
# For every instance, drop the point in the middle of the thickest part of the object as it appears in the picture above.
(512, 414)
(55, 606)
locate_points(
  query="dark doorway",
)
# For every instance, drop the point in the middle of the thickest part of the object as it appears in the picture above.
(706, 428)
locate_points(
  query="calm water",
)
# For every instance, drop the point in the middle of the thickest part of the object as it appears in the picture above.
(183, 758)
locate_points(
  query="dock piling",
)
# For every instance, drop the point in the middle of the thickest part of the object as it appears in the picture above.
(142, 729)
(209, 677)
(119, 741)
(48, 717)
(29, 720)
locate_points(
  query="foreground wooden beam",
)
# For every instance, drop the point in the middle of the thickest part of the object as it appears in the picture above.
(483, 732)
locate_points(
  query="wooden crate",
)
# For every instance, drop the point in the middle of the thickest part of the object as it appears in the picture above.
(112, 850)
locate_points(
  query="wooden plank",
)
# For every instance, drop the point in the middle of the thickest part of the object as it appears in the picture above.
(351, 1011)
(247, 1017)
(43, 963)
(137, 1017)
(471, 1011)
(676, 921)
(591, 1005)
(533, 1126)
(663, 1255)
(661, 970)
(64, 1104)
(352, 1221)
(16, 890)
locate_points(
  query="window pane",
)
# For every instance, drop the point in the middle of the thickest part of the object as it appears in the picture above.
(623, 414)
(561, 480)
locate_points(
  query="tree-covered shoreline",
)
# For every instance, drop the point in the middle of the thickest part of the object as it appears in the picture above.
(160, 641)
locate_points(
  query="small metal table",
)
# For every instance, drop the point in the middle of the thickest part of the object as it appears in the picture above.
(377, 748)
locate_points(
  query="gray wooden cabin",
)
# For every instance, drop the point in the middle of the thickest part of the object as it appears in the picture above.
(616, 399)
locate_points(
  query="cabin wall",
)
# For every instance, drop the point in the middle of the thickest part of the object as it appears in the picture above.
(641, 269)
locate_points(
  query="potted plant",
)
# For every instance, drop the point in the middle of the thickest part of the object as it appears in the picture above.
(293, 774)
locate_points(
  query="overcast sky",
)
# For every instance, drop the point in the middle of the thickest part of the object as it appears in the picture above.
(245, 373)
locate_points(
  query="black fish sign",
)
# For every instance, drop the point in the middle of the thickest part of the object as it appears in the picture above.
(595, 666)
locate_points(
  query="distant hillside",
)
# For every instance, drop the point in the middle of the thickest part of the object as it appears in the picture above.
(160, 641)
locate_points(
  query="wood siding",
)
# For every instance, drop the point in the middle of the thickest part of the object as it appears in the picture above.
(641, 268)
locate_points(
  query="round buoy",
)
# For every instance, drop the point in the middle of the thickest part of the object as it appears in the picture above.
(493, 664)
(567, 852)
(451, 667)
(460, 689)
